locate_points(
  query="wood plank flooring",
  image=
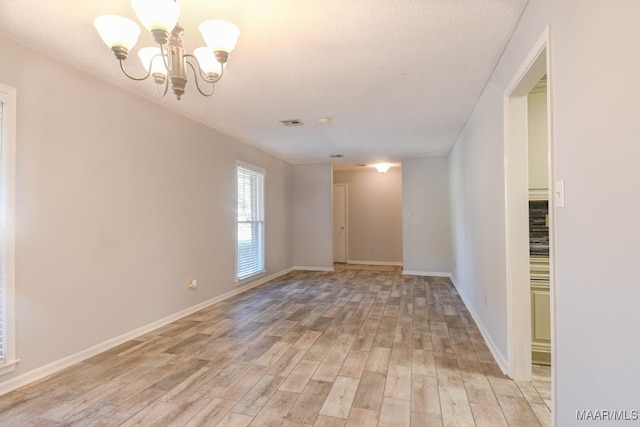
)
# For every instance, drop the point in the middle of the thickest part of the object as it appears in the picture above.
(355, 347)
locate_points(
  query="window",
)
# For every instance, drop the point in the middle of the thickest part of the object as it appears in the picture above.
(250, 245)
(7, 185)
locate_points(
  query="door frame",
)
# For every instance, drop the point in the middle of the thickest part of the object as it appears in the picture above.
(535, 65)
(346, 221)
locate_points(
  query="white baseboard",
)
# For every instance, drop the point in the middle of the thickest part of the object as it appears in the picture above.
(502, 362)
(58, 365)
(394, 263)
(253, 283)
(426, 273)
(307, 268)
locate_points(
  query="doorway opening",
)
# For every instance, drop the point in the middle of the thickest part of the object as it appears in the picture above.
(538, 173)
(530, 216)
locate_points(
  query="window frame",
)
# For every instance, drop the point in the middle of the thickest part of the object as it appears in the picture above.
(262, 222)
(8, 98)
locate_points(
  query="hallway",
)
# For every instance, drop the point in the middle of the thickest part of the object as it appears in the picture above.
(355, 347)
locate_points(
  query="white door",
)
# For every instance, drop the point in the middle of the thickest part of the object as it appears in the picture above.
(340, 223)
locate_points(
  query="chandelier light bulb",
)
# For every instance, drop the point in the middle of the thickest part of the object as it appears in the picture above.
(117, 31)
(220, 36)
(157, 14)
(207, 61)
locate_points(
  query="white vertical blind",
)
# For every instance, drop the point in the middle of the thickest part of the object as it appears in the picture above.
(250, 244)
(2, 244)
(8, 359)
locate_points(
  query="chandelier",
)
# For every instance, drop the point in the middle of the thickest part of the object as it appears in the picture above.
(168, 62)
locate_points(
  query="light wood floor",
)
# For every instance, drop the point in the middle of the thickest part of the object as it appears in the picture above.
(354, 347)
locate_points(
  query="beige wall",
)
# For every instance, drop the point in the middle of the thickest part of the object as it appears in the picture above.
(375, 214)
(312, 217)
(426, 231)
(120, 202)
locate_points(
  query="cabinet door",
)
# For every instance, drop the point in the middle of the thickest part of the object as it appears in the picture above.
(541, 313)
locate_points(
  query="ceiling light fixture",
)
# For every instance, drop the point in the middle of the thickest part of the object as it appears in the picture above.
(292, 122)
(168, 62)
(382, 167)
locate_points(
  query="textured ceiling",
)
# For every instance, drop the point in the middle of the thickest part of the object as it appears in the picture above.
(397, 78)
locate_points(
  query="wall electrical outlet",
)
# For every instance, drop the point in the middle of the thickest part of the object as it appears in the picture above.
(193, 284)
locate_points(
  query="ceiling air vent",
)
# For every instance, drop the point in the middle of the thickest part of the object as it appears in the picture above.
(292, 122)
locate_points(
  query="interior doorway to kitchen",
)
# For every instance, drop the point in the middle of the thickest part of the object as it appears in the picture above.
(527, 299)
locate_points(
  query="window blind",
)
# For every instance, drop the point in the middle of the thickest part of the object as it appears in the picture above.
(2, 244)
(8, 360)
(250, 232)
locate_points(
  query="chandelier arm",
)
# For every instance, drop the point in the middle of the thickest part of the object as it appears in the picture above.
(202, 74)
(166, 88)
(132, 77)
(195, 75)
(166, 59)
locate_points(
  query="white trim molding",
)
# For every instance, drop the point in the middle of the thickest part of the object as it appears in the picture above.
(517, 196)
(58, 365)
(393, 263)
(427, 273)
(9, 366)
(311, 268)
